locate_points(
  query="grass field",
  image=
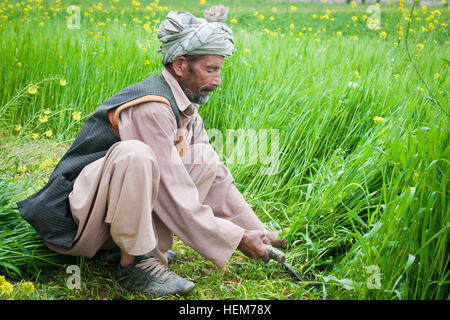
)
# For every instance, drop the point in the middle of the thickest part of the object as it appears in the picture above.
(356, 94)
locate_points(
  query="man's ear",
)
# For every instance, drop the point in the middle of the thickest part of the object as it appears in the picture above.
(179, 66)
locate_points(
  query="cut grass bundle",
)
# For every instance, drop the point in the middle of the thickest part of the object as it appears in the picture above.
(22, 250)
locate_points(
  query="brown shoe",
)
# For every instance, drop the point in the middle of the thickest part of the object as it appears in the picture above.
(152, 277)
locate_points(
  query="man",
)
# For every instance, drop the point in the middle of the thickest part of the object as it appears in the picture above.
(141, 170)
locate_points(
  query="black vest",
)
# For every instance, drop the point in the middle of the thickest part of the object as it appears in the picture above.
(48, 210)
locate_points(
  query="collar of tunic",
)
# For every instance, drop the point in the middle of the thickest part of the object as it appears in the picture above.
(184, 104)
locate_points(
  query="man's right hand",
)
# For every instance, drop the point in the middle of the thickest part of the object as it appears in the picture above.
(253, 244)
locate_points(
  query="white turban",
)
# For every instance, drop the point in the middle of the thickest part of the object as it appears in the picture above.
(184, 34)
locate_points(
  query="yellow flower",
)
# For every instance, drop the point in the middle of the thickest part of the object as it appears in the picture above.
(22, 169)
(19, 64)
(420, 89)
(246, 50)
(146, 62)
(48, 133)
(47, 163)
(47, 112)
(233, 21)
(18, 127)
(420, 46)
(76, 116)
(62, 83)
(378, 119)
(27, 287)
(314, 16)
(356, 73)
(34, 136)
(43, 119)
(355, 18)
(436, 76)
(396, 76)
(293, 8)
(33, 90)
(202, 1)
(291, 26)
(2, 279)
(353, 4)
(339, 33)
(331, 210)
(261, 17)
(274, 9)
(383, 34)
(6, 288)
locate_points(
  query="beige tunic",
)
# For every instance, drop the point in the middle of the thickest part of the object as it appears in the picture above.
(142, 192)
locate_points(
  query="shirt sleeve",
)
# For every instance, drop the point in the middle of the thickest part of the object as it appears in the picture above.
(178, 204)
(223, 197)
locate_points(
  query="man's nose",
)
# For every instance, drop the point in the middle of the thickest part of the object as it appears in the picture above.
(216, 81)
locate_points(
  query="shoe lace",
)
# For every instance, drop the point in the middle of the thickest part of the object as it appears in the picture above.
(154, 267)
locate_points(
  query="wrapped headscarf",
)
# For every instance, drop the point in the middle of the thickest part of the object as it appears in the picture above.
(184, 34)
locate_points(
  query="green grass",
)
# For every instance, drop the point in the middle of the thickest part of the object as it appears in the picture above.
(355, 192)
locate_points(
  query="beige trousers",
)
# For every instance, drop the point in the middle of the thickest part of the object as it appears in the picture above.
(113, 199)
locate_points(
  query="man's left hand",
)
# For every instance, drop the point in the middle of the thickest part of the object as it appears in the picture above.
(272, 236)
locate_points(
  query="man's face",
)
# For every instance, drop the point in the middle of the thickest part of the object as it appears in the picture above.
(199, 77)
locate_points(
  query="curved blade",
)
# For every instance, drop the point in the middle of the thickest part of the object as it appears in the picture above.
(295, 272)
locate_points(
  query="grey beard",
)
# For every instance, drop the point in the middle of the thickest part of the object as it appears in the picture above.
(194, 97)
(199, 99)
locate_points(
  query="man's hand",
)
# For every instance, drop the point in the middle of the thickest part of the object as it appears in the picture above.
(271, 235)
(253, 243)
